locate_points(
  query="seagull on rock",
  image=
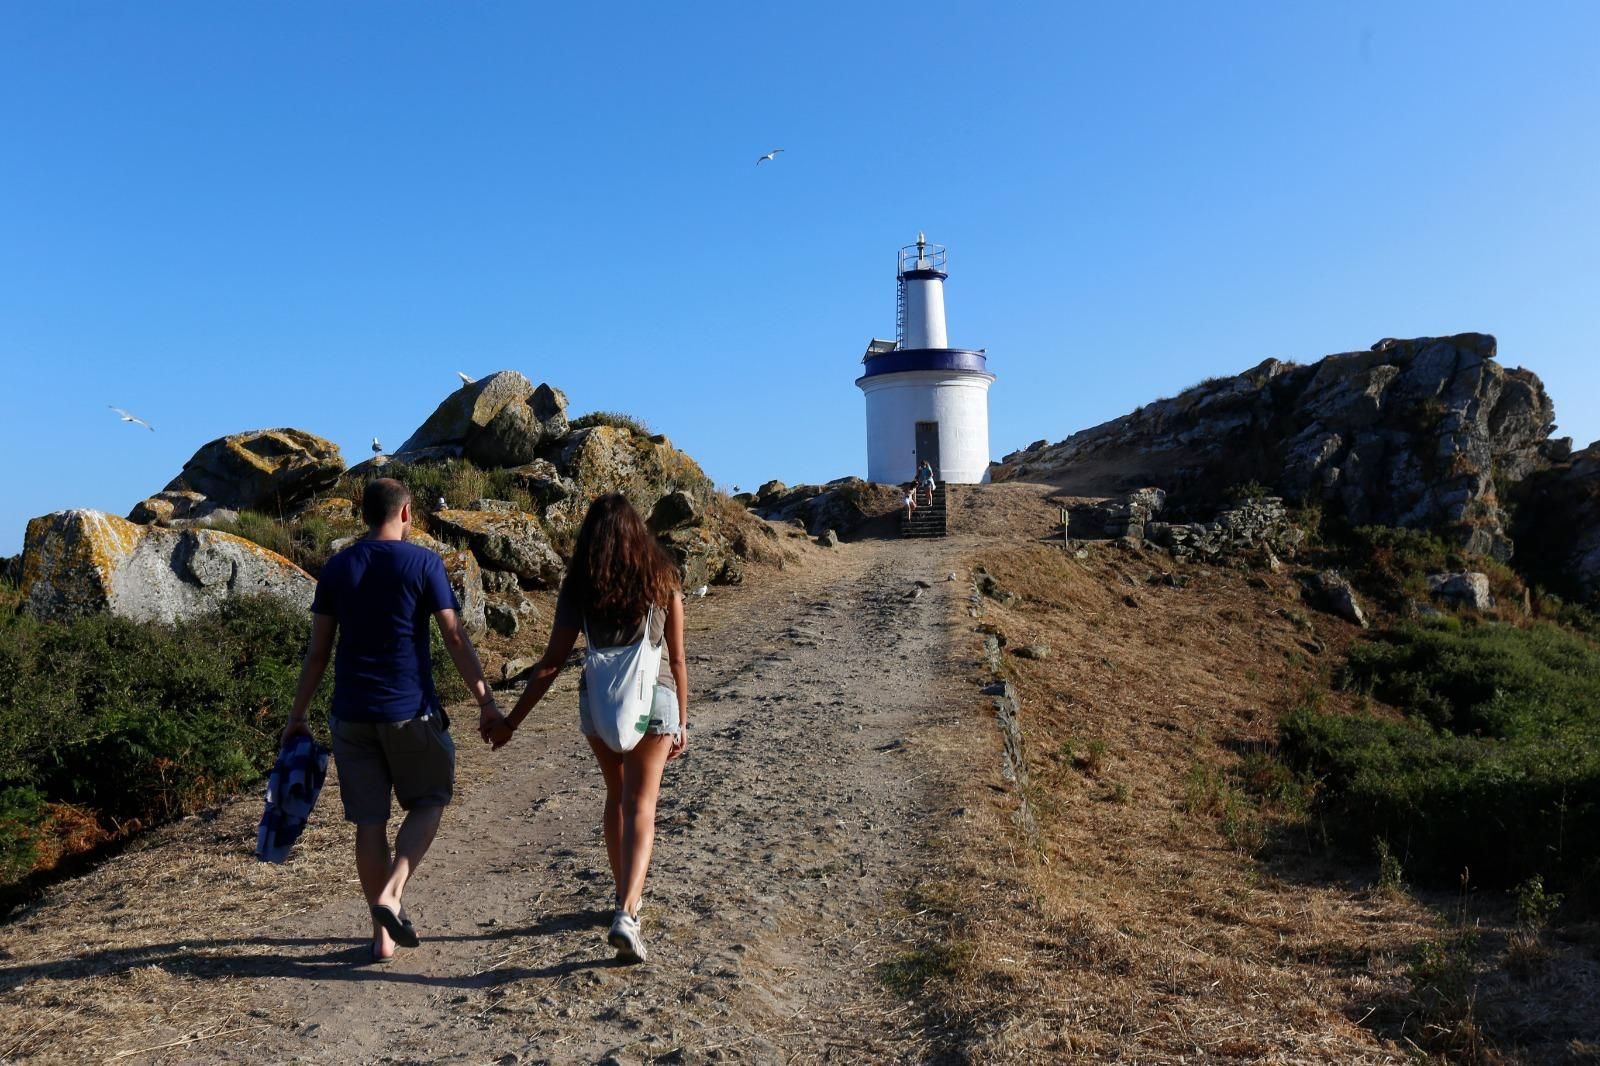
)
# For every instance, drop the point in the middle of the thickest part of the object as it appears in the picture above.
(770, 157)
(377, 449)
(126, 417)
(465, 381)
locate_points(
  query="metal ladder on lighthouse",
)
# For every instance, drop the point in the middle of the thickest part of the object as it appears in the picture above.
(900, 312)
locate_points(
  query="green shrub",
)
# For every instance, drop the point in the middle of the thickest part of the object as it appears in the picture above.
(458, 482)
(22, 811)
(135, 722)
(1495, 765)
(1246, 492)
(612, 418)
(306, 541)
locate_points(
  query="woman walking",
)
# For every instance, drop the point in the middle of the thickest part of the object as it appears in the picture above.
(621, 590)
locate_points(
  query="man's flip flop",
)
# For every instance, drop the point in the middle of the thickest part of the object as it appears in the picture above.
(403, 932)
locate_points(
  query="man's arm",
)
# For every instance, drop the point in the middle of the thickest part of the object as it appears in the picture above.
(318, 653)
(465, 656)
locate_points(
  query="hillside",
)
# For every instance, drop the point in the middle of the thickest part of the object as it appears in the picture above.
(1255, 760)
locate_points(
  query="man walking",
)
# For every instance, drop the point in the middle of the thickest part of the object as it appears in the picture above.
(390, 734)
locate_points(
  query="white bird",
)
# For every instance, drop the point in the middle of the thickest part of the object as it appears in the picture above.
(700, 593)
(126, 417)
(770, 157)
(377, 449)
(464, 379)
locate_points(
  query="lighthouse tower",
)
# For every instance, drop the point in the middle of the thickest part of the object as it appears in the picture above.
(925, 399)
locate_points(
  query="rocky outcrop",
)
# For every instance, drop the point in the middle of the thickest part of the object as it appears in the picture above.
(1254, 526)
(601, 459)
(1558, 526)
(179, 508)
(83, 562)
(263, 470)
(703, 556)
(466, 579)
(1467, 588)
(1335, 594)
(1127, 516)
(499, 421)
(843, 505)
(510, 541)
(1260, 525)
(1422, 433)
(676, 508)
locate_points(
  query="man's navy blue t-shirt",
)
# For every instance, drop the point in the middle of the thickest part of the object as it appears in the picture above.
(382, 593)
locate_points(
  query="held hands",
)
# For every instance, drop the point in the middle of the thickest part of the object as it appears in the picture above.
(492, 725)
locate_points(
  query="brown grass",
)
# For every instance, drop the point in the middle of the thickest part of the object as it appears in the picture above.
(1168, 909)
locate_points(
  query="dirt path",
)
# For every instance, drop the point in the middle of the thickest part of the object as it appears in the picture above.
(786, 842)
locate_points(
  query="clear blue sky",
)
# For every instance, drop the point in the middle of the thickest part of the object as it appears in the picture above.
(226, 216)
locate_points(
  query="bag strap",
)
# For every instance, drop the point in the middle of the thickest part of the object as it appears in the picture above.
(589, 641)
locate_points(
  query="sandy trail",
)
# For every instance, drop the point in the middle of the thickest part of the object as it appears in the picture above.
(786, 840)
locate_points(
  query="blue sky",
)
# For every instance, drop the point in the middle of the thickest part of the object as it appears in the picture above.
(232, 216)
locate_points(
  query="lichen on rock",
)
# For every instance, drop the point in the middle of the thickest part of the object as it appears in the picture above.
(261, 470)
(83, 562)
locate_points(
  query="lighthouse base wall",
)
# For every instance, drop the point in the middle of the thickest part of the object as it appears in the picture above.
(957, 402)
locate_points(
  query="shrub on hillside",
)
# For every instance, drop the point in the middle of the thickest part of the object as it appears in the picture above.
(125, 724)
(1392, 565)
(1494, 766)
(458, 482)
(306, 541)
(613, 418)
(137, 722)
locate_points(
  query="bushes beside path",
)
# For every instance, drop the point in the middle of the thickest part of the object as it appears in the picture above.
(108, 725)
(1492, 764)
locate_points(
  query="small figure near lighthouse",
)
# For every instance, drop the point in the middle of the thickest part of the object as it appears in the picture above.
(926, 401)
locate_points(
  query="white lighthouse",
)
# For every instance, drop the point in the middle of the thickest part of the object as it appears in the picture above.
(925, 399)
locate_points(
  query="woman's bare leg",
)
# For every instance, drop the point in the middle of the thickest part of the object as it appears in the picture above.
(641, 785)
(611, 769)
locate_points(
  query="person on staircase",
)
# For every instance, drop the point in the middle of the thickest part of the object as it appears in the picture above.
(925, 479)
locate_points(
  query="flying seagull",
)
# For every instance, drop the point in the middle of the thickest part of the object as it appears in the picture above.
(770, 157)
(377, 449)
(464, 379)
(126, 417)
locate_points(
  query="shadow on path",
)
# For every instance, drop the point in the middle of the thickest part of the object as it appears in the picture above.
(342, 959)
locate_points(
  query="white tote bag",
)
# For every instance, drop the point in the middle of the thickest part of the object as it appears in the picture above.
(620, 685)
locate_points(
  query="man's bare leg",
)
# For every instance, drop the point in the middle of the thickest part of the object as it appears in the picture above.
(373, 867)
(411, 843)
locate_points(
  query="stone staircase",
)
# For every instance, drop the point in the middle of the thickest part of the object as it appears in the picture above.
(927, 521)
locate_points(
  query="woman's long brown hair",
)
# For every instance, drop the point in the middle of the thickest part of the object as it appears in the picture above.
(618, 569)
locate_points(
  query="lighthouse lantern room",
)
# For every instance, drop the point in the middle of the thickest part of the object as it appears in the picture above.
(925, 399)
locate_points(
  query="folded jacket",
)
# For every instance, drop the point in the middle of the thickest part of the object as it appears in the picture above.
(292, 790)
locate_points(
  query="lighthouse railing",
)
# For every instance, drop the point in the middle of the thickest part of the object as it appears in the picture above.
(924, 257)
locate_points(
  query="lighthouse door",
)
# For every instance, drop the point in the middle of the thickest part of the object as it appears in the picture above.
(928, 446)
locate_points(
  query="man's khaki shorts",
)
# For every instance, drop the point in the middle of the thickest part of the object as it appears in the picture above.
(416, 760)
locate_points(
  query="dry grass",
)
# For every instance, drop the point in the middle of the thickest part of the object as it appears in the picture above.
(1166, 910)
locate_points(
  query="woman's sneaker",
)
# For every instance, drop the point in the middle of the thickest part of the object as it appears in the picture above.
(624, 936)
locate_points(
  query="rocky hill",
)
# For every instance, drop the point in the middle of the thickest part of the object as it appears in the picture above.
(1431, 433)
(501, 476)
